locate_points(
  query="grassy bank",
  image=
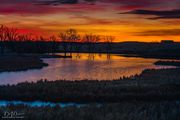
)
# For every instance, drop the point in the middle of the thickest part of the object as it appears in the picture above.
(10, 63)
(111, 111)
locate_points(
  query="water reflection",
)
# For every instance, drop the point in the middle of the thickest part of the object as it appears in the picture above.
(83, 66)
(94, 56)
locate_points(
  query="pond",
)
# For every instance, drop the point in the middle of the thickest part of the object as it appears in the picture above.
(84, 66)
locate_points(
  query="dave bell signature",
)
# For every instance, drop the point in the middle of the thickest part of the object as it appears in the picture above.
(12, 114)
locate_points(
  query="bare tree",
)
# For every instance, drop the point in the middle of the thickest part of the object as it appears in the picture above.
(24, 37)
(3, 33)
(53, 45)
(73, 37)
(7, 34)
(109, 40)
(12, 34)
(3, 37)
(64, 40)
(67, 38)
(90, 39)
(41, 39)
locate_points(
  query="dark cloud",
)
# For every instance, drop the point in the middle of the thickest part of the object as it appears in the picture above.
(172, 14)
(28, 7)
(144, 4)
(43, 6)
(45, 2)
(58, 2)
(160, 32)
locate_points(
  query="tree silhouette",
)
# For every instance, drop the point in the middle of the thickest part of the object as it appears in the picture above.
(12, 34)
(69, 37)
(109, 40)
(64, 39)
(73, 37)
(53, 45)
(90, 39)
(7, 34)
(24, 37)
(3, 37)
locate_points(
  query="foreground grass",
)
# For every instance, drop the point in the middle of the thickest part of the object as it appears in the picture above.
(110, 111)
(19, 63)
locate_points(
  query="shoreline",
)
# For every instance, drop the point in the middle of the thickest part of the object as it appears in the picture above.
(11, 63)
(24, 62)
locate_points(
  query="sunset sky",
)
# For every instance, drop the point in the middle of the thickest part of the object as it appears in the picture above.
(128, 20)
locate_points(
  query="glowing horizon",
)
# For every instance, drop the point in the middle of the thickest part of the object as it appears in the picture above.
(127, 20)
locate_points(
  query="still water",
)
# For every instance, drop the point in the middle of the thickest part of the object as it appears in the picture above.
(83, 66)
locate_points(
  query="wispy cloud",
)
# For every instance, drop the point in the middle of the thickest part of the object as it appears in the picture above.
(55, 2)
(160, 32)
(93, 20)
(21, 6)
(171, 14)
(60, 2)
(32, 7)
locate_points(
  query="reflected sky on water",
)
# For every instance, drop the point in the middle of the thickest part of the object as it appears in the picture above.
(83, 66)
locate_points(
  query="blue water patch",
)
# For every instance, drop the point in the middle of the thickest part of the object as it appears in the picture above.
(39, 104)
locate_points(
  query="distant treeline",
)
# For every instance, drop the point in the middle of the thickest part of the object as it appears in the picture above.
(11, 39)
(71, 41)
(30, 46)
(154, 50)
